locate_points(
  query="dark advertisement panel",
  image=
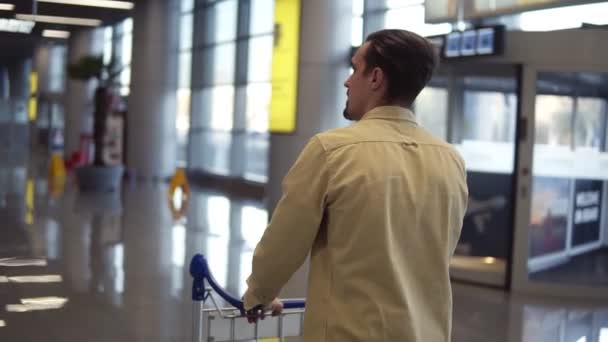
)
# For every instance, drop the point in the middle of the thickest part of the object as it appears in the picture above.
(488, 219)
(586, 215)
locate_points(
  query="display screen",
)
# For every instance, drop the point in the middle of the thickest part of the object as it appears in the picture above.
(485, 41)
(469, 43)
(452, 46)
(482, 41)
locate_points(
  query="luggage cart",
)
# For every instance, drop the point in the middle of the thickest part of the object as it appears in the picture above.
(213, 323)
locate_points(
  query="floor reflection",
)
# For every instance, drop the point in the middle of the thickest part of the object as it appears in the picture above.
(114, 267)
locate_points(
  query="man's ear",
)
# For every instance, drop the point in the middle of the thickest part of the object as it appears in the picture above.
(377, 78)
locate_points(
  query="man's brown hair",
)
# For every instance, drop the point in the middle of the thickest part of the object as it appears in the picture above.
(407, 60)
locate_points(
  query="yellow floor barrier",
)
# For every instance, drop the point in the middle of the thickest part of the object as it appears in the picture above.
(179, 181)
(56, 176)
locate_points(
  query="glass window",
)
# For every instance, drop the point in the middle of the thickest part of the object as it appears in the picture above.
(495, 125)
(186, 5)
(221, 22)
(223, 61)
(125, 91)
(125, 76)
(569, 178)
(258, 106)
(185, 69)
(107, 45)
(222, 107)
(127, 45)
(260, 59)
(185, 34)
(432, 110)
(183, 114)
(256, 165)
(262, 17)
(215, 152)
(127, 25)
(590, 116)
(253, 224)
(554, 120)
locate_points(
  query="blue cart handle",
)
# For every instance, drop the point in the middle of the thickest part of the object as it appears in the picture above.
(200, 272)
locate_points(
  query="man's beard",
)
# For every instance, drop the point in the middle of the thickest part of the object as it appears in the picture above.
(345, 114)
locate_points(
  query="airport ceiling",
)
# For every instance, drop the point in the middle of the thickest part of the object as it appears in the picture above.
(22, 44)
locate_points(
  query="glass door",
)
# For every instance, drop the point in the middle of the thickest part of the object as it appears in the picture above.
(475, 107)
(563, 226)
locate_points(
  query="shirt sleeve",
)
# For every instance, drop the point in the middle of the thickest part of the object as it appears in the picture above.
(293, 228)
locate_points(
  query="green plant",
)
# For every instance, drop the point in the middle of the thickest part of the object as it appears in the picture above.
(93, 67)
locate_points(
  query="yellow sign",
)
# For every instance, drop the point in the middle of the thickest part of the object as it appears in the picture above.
(33, 82)
(285, 56)
(33, 103)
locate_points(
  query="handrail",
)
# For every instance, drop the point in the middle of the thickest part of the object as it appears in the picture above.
(200, 272)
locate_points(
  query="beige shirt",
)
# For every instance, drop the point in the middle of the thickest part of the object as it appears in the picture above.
(379, 205)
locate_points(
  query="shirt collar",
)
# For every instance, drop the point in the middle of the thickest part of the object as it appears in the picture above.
(391, 113)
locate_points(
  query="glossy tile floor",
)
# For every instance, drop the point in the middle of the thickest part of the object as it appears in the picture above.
(114, 267)
(590, 268)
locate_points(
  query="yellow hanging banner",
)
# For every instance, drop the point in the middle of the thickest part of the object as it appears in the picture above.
(285, 57)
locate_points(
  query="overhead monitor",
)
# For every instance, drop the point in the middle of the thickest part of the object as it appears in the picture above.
(468, 44)
(485, 41)
(453, 44)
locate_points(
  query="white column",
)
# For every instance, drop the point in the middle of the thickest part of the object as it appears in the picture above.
(151, 135)
(324, 52)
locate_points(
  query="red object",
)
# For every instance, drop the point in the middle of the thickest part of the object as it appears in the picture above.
(83, 155)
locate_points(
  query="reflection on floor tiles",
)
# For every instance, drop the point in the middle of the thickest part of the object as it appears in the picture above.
(114, 267)
(590, 269)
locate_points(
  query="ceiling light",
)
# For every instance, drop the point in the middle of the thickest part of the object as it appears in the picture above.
(36, 279)
(56, 34)
(17, 26)
(123, 5)
(7, 7)
(59, 20)
(14, 262)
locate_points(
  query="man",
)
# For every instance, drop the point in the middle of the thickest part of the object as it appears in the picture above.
(379, 206)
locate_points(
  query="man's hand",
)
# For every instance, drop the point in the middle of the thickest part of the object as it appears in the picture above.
(259, 312)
